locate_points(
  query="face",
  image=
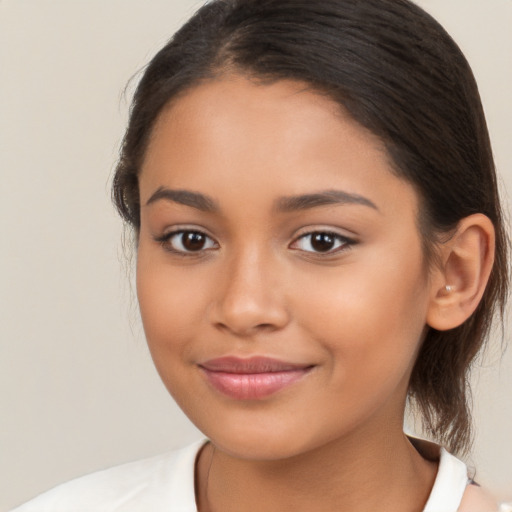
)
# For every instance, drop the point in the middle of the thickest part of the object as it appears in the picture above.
(280, 273)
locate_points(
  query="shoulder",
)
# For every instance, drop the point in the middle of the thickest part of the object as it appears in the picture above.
(451, 490)
(156, 483)
(477, 499)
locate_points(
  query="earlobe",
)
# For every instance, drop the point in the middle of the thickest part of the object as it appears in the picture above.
(460, 282)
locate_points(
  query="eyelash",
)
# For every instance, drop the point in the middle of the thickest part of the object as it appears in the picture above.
(344, 243)
(166, 242)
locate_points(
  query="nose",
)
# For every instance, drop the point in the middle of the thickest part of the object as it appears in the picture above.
(250, 299)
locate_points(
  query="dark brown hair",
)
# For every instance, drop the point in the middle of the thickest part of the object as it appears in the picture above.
(399, 74)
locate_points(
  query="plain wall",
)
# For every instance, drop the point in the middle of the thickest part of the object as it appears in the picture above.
(78, 389)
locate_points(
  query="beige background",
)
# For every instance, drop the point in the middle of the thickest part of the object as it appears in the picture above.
(78, 391)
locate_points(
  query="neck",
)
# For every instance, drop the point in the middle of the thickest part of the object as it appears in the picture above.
(345, 475)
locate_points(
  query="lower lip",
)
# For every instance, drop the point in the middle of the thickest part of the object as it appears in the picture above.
(253, 386)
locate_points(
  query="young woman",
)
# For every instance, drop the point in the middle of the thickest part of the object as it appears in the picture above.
(319, 239)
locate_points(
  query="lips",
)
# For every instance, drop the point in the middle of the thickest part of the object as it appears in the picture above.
(253, 378)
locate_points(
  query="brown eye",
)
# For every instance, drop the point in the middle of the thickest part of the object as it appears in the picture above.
(322, 242)
(193, 241)
(186, 242)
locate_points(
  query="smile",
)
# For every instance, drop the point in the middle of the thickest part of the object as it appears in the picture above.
(251, 379)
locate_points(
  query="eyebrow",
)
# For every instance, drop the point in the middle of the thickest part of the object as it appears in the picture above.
(185, 197)
(282, 205)
(323, 198)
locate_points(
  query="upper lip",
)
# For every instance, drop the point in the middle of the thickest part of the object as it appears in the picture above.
(251, 365)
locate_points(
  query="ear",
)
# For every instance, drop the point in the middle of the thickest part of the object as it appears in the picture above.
(459, 282)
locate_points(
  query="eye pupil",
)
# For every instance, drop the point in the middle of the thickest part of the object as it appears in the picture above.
(193, 241)
(322, 242)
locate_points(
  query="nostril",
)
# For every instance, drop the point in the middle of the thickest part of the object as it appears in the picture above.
(246, 330)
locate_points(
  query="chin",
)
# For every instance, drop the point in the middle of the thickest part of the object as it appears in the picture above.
(259, 447)
(259, 439)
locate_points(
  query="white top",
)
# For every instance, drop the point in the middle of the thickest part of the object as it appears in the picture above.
(166, 483)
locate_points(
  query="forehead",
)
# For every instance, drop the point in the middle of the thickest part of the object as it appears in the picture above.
(280, 112)
(282, 137)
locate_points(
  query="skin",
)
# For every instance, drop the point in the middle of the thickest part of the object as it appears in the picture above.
(332, 440)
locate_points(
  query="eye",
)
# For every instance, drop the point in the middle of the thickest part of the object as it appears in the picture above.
(186, 241)
(322, 242)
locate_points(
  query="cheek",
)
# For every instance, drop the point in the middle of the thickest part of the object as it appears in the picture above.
(169, 300)
(368, 317)
(169, 303)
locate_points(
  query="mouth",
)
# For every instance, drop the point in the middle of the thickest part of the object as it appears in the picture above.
(253, 378)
